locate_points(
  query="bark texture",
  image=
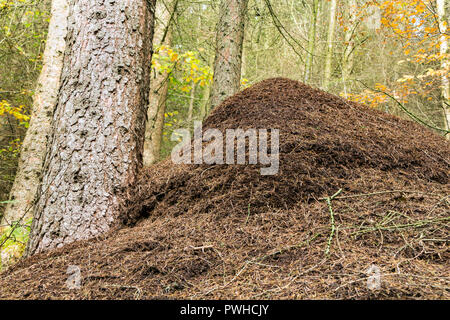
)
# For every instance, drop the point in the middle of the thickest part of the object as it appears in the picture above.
(206, 103)
(348, 59)
(228, 60)
(99, 121)
(443, 48)
(159, 87)
(311, 40)
(330, 45)
(191, 104)
(34, 146)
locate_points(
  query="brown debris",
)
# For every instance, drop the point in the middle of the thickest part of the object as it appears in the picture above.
(199, 231)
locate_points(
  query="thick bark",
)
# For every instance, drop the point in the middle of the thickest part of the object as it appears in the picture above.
(158, 88)
(228, 60)
(311, 40)
(443, 46)
(96, 145)
(34, 146)
(330, 45)
(348, 61)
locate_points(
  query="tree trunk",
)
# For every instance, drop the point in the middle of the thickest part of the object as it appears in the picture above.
(330, 45)
(159, 88)
(311, 40)
(34, 146)
(348, 61)
(206, 103)
(157, 133)
(228, 60)
(443, 46)
(191, 103)
(96, 145)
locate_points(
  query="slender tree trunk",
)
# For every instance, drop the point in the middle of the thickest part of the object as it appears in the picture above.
(228, 60)
(243, 63)
(96, 145)
(34, 146)
(443, 45)
(159, 87)
(330, 45)
(191, 103)
(348, 61)
(311, 40)
(206, 103)
(159, 126)
(155, 120)
(5, 131)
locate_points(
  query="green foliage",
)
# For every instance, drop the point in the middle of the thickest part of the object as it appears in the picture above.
(23, 31)
(184, 69)
(13, 240)
(19, 113)
(11, 151)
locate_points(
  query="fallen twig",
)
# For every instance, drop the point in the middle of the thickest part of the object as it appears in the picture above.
(333, 227)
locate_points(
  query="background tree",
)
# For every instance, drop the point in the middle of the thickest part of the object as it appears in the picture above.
(23, 30)
(34, 145)
(311, 39)
(99, 121)
(349, 42)
(159, 86)
(330, 45)
(443, 48)
(228, 59)
(405, 49)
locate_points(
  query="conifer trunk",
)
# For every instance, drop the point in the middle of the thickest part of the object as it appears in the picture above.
(228, 60)
(96, 145)
(330, 45)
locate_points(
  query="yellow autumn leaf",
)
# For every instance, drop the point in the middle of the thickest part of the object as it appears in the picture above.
(186, 89)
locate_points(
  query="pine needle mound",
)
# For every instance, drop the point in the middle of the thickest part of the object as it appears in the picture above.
(227, 232)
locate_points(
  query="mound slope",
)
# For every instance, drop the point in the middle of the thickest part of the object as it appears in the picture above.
(225, 231)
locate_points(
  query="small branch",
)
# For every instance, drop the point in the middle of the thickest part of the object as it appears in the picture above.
(409, 113)
(201, 248)
(248, 215)
(333, 226)
(280, 29)
(379, 193)
(279, 251)
(417, 224)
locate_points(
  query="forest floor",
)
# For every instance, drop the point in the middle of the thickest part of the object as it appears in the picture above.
(227, 232)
